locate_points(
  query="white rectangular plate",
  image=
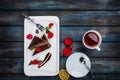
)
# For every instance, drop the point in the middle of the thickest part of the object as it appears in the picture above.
(51, 68)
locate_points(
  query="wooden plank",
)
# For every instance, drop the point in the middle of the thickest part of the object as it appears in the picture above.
(99, 77)
(16, 50)
(108, 50)
(60, 5)
(88, 77)
(16, 33)
(108, 33)
(11, 65)
(11, 49)
(99, 65)
(11, 34)
(66, 17)
(23, 77)
(13, 77)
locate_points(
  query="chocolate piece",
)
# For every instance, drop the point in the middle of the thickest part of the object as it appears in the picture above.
(35, 40)
(46, 59)
(37, 31)
(42, 45)
(30, 63)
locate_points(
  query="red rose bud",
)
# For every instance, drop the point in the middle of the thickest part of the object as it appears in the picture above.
(35, 61)
(50, 35)
(29, 36)
(38, 49)
(50, 25)
(67, 51)
(68, 41)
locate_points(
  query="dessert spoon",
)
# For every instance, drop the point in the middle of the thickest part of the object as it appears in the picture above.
(82, 60)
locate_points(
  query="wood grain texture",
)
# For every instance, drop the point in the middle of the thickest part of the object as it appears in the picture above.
(76, 17)
(12, 49)
(59, 5)
(16, 33)
(66, 17)
(108, 50)
(99, 77)
(13, 77)
(88, 77)
(108, 33)
(99, 65)
(11, 65)
(23, 77)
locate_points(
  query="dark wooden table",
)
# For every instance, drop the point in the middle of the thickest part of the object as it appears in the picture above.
(76, 17)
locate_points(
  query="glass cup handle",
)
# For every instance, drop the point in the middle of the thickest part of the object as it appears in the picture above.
(98, 48)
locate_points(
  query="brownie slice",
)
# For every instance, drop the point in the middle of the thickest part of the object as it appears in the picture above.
(42, 43)
(35, 40)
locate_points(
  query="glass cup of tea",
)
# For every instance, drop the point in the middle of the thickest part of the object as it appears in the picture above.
(92, 39)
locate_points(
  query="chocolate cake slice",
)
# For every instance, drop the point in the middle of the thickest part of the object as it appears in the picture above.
(41, 44)
(35, 40)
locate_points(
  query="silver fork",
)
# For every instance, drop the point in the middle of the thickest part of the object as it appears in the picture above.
(39, 26)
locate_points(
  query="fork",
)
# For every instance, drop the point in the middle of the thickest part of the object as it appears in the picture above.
(39, 26)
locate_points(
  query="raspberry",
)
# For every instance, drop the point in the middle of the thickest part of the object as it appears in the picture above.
(35, 61)
(29, 36)
(50, 25)
(67, 51)
(50, 35)
(68, 41)
(38, 49)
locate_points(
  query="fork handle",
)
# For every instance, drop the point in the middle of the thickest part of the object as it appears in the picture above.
(27, 17)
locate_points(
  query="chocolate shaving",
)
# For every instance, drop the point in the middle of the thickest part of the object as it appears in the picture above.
(30, 63)
(46, 59)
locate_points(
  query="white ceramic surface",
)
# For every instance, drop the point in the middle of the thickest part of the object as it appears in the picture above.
(51, 68)
(75, 68)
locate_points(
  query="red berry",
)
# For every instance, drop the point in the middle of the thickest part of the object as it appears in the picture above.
(50, 25)
(29, 36)
(35, 61)
(38, 49)
(50, 35)
(67, 51)
(68, 41)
